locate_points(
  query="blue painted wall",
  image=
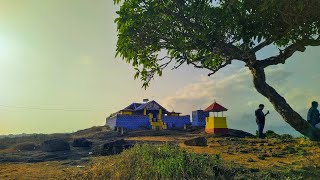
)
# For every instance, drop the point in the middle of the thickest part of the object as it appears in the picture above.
(137, 122)
(176, 121)
(199, 118)
(129, 122)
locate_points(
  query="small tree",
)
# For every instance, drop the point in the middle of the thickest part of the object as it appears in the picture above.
(211, 34)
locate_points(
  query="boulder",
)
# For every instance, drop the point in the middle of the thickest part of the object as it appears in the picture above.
(199, 141)
(81, 142)
(233, 133)
(112, 147)
(53, 145)
(239, 133)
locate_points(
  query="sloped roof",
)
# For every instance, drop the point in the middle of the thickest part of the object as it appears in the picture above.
(145, 105)
(215, 107)
(132, 106)
(141, 106)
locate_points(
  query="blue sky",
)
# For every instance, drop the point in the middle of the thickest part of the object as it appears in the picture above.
(58, 73)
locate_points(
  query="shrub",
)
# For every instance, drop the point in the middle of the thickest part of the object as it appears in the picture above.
(286, 137)
(271, 134)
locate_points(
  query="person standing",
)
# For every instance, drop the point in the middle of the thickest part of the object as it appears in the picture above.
(313, 114)
(260, 119)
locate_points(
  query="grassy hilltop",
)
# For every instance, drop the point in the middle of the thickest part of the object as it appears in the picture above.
(162, 155)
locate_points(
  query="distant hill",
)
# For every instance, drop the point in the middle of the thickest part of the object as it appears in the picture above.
(16, 135)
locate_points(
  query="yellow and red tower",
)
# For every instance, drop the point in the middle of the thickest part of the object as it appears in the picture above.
(215, 123)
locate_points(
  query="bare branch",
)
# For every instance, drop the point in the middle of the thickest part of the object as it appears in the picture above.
(181, 60)
(288, 52)
(163, 58)
(261, 45)
(163, 66)
(197, 66)
(220, 67)
(227, 62)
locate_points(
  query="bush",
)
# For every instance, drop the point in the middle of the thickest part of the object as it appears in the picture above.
(271, 134)
(286, 137)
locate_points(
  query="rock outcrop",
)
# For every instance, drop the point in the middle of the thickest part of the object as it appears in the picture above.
(199, 141)
(81, 142)
(112, 147)
(54, 145)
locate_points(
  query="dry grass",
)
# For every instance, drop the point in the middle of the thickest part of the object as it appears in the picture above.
(45, 170)
(93, 132)
(283, 156)
(304, 155)
(289, 154)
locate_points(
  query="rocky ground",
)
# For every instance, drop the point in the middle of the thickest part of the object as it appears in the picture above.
(280, 153)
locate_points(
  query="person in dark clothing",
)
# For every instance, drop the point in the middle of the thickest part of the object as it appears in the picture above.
(313, 114)
(260, 119)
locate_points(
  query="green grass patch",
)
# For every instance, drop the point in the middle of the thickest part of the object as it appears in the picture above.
(170, 162)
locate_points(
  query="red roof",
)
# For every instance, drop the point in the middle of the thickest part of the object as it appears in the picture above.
(215, 107)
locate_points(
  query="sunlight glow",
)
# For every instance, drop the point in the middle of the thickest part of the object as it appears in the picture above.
(5, 48)
(8, 47)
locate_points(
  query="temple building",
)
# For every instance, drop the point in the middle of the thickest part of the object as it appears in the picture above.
(210, 119)
(149, 114)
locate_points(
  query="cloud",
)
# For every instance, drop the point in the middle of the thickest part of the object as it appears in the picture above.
(236, 92)
(278, 76)
(316, 76)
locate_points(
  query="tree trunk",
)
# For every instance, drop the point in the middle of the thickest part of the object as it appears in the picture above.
(281, 106)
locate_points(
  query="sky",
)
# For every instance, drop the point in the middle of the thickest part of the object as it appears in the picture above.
(58, 73)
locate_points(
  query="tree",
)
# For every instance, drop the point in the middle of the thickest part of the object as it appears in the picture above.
(211, 34)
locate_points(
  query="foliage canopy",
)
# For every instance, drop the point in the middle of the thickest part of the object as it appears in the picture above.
(210, 34)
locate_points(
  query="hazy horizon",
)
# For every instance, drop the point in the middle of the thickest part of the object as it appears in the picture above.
(59, 74)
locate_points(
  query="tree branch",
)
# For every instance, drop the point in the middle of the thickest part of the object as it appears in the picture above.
(221, 66)
(163, 66)
(288, 52)
(232, 52)
(227, 62)
(261, 45)
(181, 61)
